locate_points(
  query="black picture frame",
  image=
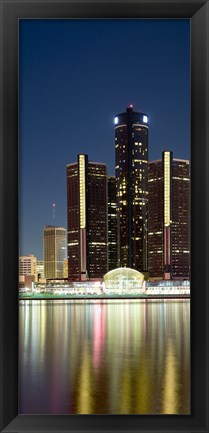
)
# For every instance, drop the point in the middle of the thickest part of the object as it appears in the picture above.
(198, 11)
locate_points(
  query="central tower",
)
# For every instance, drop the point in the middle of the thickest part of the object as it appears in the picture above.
(131, 160)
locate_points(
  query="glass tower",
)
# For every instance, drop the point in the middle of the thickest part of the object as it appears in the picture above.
(131, 160)
(87, 219)
(169, 218)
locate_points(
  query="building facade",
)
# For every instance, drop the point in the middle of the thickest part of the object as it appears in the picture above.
(112, 224)
(54, 245)
(27, 265)
(39, 269)
(87, 219)
(131, 160)
(169, 218)
(65, 268)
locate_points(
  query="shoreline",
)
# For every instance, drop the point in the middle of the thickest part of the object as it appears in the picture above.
(101, 298)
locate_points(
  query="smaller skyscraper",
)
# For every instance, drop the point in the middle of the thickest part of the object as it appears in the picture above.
(27, 265)
(112, 223)
(27, 271)
(54, 251)
(169, 218)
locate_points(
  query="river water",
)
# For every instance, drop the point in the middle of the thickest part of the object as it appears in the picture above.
(104, 357)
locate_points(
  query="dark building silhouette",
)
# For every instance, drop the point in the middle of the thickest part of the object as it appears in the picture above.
(169, 218)
(131, 160)
(112, 224)
(87, 219)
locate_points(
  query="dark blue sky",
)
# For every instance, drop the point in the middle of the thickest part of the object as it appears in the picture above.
(75, 76)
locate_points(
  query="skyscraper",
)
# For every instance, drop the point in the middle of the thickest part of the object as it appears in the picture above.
(169, 218)
(54, 251)
(112, 224)
(87, 219)
(131, 160)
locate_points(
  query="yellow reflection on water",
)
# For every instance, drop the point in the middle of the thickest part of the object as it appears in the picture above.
(143, 388)
(126, 388)
(85, 384)
(170, 397)
(105, 357)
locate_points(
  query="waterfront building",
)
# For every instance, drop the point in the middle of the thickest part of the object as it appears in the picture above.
(131, 160)
(54, 245)
(26, 282)
(28, 265)
(169, 218)
(112, 224)
(123, 281)
(87, 219)
(39, 269)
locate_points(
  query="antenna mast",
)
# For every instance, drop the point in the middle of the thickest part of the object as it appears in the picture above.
(53, 210)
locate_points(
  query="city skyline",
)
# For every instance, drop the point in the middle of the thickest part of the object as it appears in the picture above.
(49, 140)
(92, 212)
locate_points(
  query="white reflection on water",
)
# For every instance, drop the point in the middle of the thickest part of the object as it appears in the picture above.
(130, 357)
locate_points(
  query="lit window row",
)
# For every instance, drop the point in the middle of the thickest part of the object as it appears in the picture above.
(82, 191)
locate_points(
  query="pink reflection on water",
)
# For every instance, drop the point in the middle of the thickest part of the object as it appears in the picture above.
(99, 334)
(144, 319)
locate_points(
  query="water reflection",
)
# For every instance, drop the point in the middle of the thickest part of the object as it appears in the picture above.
(125, 357)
